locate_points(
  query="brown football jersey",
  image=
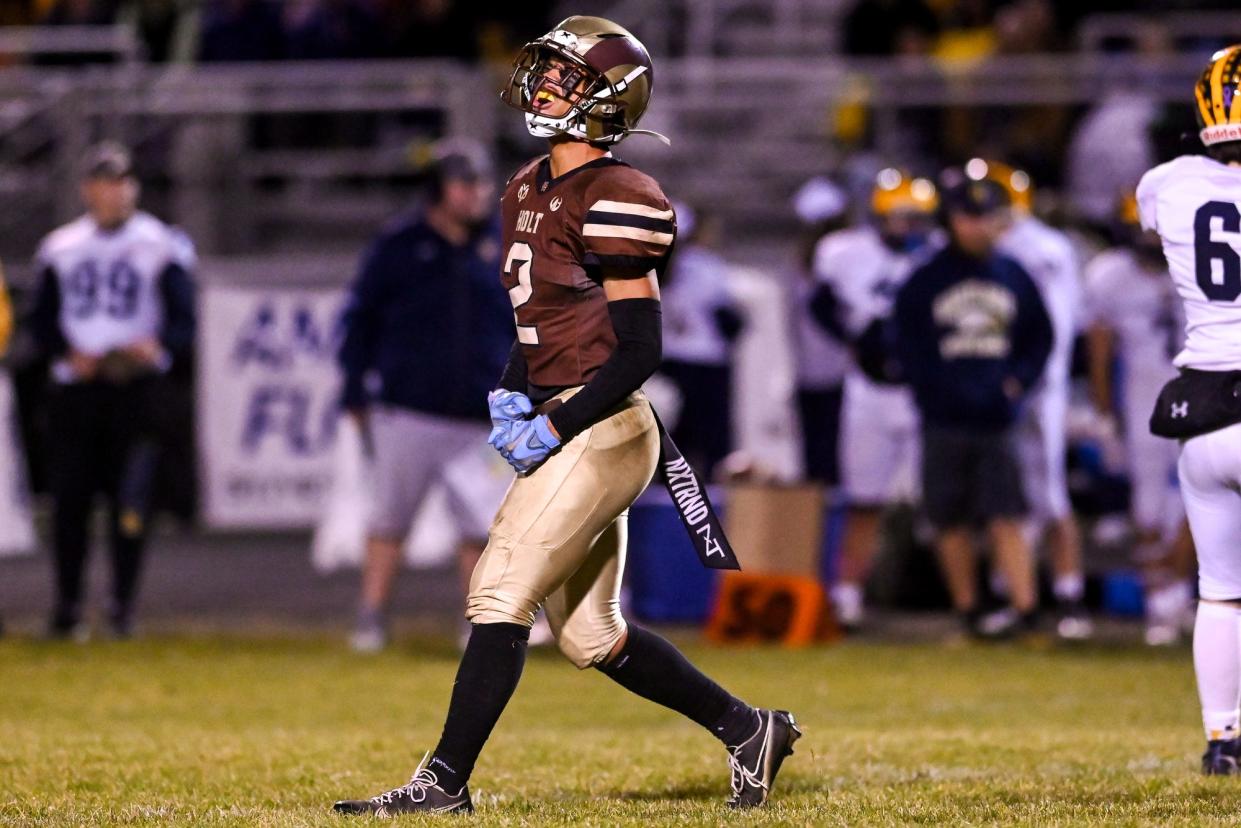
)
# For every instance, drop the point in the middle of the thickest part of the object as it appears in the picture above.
(560, 236)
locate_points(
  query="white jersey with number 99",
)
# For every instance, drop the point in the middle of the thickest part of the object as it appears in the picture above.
(1194, 204)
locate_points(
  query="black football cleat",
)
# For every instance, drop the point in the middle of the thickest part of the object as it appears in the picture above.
(1221, 757)
(121, 623)
(756, 761)
(422, 794)
(66, 625)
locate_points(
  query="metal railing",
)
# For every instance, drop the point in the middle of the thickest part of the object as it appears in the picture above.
(810, 28)
(120, 42)
(1098, 31)
(745, 133)
(706, 28)
(196, 128)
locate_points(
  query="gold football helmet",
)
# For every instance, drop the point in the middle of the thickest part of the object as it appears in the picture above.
(903, 208)
(607, 82)
(1127, 229)
(1218, 95)
(1127, 209)
(1014, 181)
(897, 191)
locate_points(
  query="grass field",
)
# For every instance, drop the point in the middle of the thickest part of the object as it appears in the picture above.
(211, 731)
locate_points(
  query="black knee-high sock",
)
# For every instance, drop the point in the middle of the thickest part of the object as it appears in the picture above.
(72, 544)
(652, 668)
(490, 669)
(126, 567)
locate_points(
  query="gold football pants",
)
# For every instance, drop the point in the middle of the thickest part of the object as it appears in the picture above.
(559, 537)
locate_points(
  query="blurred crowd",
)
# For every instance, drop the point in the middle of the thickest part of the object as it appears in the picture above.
(250, 30)
(959, 361)
(218, 30)
(1060, 414)
(945, 417)
(974, 29)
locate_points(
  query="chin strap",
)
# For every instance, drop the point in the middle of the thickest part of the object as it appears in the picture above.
(546, 128)
(651, 132)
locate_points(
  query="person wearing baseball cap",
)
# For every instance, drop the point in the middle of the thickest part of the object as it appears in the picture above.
(424, 340)
(108, 160)
(972, 337)
(114, 317)
(822, 210)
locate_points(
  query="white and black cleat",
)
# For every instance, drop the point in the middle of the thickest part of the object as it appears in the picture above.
(756, 761)
(1221, 757)
(422, 794)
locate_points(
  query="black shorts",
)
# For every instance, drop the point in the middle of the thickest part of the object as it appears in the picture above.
(970, 477)
(820, 428)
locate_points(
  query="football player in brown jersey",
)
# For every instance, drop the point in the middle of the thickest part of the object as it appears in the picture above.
(585, 239)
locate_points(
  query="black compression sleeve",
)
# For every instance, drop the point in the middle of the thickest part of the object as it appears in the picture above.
(729, 323)
(45, 318)
(514, 376)
(177, 291)
(637, 355)
(826, 310)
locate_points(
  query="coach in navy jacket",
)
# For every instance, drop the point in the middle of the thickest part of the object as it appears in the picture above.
(427, 326)
(972, 337)
(427, 330)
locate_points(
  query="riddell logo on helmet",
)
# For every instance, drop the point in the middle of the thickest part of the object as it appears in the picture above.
(1220, 133)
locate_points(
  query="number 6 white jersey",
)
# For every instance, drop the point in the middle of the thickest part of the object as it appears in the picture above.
(108, 282)
(1194, 204)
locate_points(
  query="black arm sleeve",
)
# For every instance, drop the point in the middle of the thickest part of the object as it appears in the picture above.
(729, 323)
(177, 290)
(638, 351)
(1033, 336)
(825, 309)
(362, 323)
(515, 372)
(875, 352)
(45, 317)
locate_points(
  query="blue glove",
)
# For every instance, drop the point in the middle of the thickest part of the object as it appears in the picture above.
(508, 409)
(531, 442)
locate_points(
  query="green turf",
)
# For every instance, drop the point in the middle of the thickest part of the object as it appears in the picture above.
(237, 732)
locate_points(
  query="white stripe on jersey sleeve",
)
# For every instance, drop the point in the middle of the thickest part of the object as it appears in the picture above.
(631, 209)
(620, 232)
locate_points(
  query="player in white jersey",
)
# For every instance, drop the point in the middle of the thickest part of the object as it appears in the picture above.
(822, 356)
(114, 313)
(1048, 256)
(1194, 204)
(860, 271)
(1135, 325)
(702, 320)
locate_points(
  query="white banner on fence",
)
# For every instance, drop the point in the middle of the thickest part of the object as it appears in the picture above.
(16, 521)
(267, 395)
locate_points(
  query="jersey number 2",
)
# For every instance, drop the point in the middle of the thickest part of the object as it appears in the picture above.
(1208, 252)
(522, 257)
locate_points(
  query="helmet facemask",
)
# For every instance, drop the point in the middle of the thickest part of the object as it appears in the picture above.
(593, 102)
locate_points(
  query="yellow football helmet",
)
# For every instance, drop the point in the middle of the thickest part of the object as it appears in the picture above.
(1218, 94)
(1127, 230)
(1014, 181)
(897, 191)
(6, 316)
(1127, 209)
